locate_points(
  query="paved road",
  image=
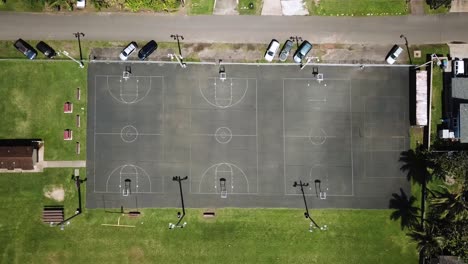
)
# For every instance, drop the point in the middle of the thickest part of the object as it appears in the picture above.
(236, 29)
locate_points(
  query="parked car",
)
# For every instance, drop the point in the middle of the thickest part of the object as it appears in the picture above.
(302, 51)
(393, 54)
(26, 49)
(271, 50)
(47, 50)
(80, 3)
(131, 47)
(458, 67)
(147, 49)
(286, 50)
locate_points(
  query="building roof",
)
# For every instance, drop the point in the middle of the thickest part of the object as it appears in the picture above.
(16, 157)
(460, 88)
(463, 123)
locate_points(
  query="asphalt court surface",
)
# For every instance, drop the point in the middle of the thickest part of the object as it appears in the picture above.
(244, 140)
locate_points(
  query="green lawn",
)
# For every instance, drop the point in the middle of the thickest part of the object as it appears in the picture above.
(243, 7)
(358, 7)
(33, 94)
(234, 236)
(200, 7)
(22, 5)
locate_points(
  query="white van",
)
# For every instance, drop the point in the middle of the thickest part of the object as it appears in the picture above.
(459, 68)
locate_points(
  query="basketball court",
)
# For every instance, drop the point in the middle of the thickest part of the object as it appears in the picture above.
(243, 134)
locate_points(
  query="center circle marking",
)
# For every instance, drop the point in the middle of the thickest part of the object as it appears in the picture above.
(223, 135)
(129, 134)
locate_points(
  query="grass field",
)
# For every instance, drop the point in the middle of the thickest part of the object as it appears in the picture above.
(358, 7)
(243, 7)
(22, 5)
(33, 94)
(234, 236)
(200, 7)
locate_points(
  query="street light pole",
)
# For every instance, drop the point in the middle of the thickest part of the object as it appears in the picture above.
(407, 48)
(306, 214)
(78, 35)
(296, 39)
(179, 180)
(177, 37)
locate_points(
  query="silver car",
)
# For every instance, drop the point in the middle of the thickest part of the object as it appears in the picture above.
(286, 50)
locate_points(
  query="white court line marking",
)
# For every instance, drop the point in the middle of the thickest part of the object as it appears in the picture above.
(122, 167)
(324, 100)
(256, 126)
(284, 146)
(94, 135)
(298, 136)
(223, 135)
(247, 87)
(351, 138)
(163, 99)
(96, 110)
(139, 134)
(133, 76)
(230, 165)
(211, 135)
(230, 104)
(190, 140)
(138, 99)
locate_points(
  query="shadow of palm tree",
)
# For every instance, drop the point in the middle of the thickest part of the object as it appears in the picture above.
(416, 165)
(405, 211)
(429, 243)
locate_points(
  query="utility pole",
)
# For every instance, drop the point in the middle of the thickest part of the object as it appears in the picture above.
(306, 213)
(179, 180)
(407, 48)
(78, 35)
(178, 37)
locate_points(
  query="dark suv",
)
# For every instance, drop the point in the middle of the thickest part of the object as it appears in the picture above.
(48, 51)
(149, 48)
(26, 49)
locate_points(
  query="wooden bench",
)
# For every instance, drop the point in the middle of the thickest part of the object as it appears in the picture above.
(209, 214)
(53, 214)
(134, 214)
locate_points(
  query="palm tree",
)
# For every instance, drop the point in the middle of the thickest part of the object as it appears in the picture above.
(404, 210)
(417, 164)
(428, 242)
(450, 203)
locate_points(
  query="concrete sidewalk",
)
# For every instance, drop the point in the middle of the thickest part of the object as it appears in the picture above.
(64, 164)
(272, 8)
(225, 7)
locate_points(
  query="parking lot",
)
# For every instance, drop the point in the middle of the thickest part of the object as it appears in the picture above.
(244, 140)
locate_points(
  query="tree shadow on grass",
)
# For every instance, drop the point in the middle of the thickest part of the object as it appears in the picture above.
(404, 210)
